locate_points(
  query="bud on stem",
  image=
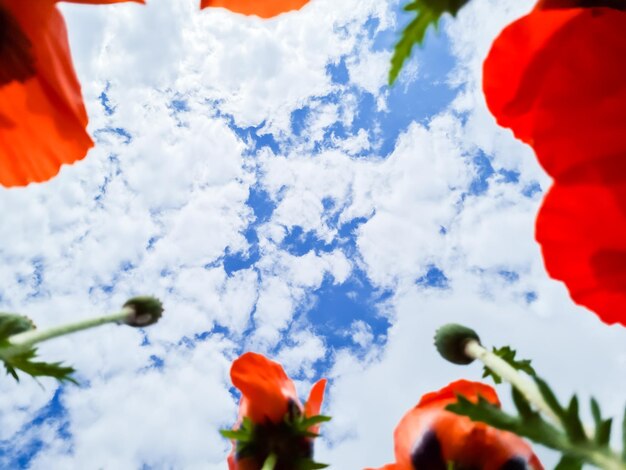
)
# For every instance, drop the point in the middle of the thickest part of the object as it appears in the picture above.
(461, 345)
(137, 312)
(522, 383)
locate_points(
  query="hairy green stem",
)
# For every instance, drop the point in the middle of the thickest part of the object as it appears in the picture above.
(22, 342)
(523, 384)
(270, 462)
(531, 392)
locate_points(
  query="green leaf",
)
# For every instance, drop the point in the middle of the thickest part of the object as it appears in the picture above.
(550, 397)
(572, 423)
(25, 363)
(603, 427)
(428, 13)
(595, 411)
(570, 463)
(12, 324)
(522, 405)
(603, 432)
(531, 426)
(306, 423)
(270, 462)
(310, 465)
(236, 435)
(507, 354)
(485, 412)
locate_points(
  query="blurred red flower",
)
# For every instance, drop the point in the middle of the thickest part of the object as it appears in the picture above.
(42, 117)
(270, 402)
(428, 437)
(262, 8)
(555, 77)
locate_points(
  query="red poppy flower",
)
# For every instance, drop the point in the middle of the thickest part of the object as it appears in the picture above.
(269, 401)
(428, 437)
(262, 8)
(42, 116)
(555, 77)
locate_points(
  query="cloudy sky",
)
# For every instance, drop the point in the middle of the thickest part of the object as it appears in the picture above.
(263, 181)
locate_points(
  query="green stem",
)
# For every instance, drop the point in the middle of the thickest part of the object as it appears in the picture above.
(531, 392)
(24, 341)
(523, 384)
(270, 462)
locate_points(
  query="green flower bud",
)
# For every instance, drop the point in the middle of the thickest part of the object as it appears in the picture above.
(145, 311)
(450, 341)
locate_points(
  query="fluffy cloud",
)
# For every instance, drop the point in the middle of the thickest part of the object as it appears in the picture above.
(195, 113)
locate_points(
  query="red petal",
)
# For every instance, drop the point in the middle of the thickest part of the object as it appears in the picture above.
(102, 2)
(262, 8)
(470, 390)
(461, 440)
(582, 232)
(555, 78)
(266, 388)
(42, 119)
(313, 405)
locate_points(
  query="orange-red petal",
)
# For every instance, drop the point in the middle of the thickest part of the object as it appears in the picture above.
(101, 2)
(456, 438)
(262, 8)
(470, 390)
(313, 405)
(266, 388)
(42, 118)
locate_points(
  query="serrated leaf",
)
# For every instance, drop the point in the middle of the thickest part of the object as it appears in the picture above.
(522, 405)
(572, 423)
(570, 463)
(508, 354)
(311, 465)
(550, 397)
(428, 13)
(13, 324)
(485, 412)
(603, 432)
(532, 426)
(306, 423)
(595, 412)
(24, 362)
(236, 435)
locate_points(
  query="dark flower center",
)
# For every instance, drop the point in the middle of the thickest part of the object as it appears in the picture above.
(427, 454)
(16, 57)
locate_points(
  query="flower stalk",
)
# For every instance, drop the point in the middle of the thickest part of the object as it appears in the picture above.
(22, 342)
(522, 383)
(565, 432)
(19, 337)
(270, 462)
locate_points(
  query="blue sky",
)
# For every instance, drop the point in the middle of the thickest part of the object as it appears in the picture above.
(262, 179)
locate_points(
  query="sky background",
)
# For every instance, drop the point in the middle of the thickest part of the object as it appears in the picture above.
(262, 180)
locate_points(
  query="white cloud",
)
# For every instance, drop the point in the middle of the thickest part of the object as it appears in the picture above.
(158, 211)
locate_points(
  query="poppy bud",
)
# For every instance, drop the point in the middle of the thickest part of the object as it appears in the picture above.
(450, 341)
(144, 311)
